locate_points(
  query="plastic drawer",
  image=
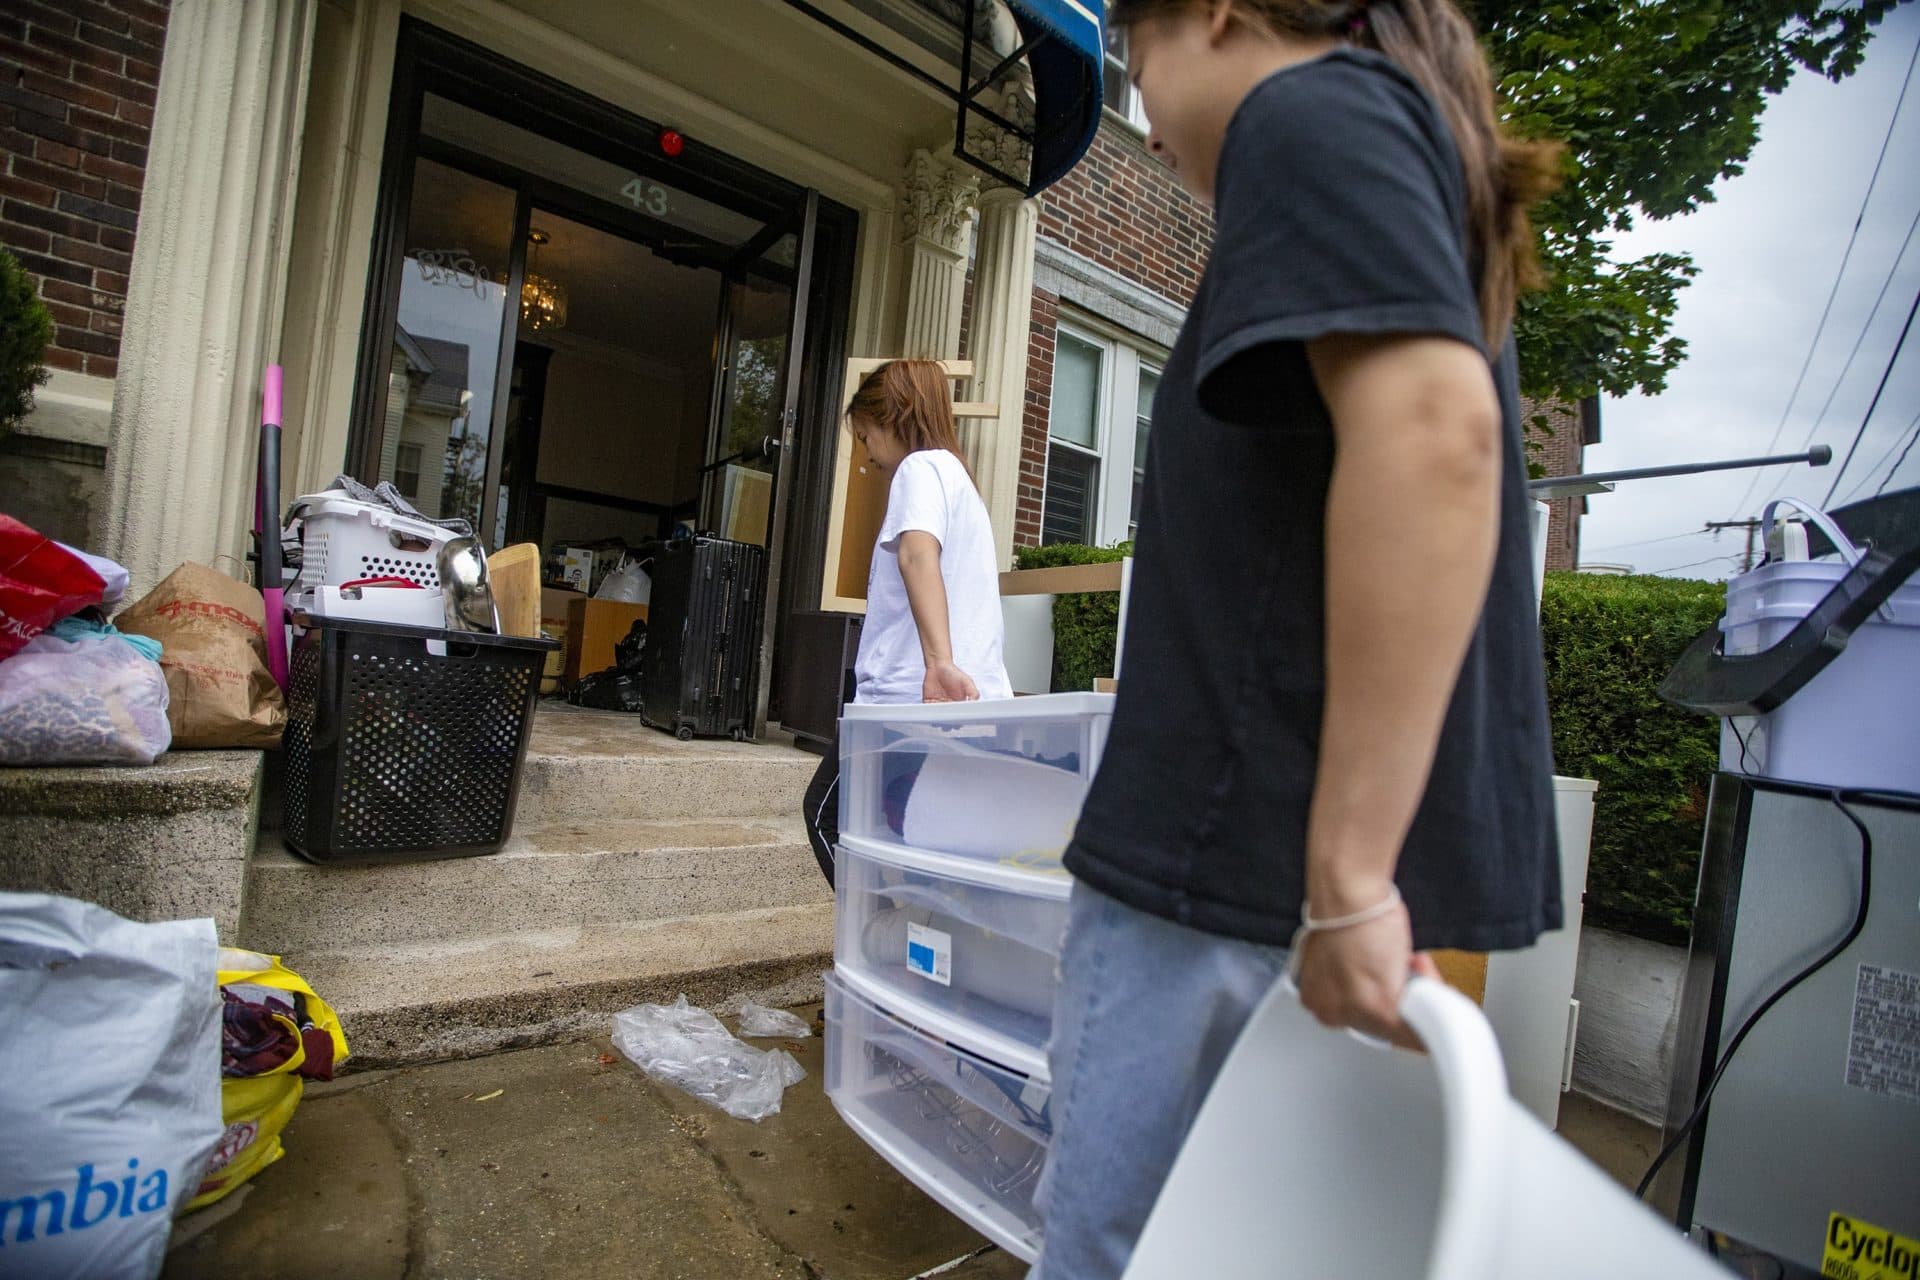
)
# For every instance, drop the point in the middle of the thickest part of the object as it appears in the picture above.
(970, 1133)
(999, 780)
(974, 943)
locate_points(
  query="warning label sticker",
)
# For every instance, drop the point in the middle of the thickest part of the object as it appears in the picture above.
(1859, 1250)
(1883, 1054)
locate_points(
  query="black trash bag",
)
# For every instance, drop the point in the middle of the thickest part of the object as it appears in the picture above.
(617, 688)
(626, 654)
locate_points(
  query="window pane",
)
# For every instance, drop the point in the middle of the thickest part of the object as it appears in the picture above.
(1076, 392)
(1142, 426)
(1072, 486)
(446, 337)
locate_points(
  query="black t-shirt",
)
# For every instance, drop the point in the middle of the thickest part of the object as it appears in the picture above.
(1341, 209)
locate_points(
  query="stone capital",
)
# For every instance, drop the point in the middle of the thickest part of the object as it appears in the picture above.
(937, 202)
(999, 147)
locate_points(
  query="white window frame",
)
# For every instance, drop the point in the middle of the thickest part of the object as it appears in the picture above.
(1129, 108)
(1122, 359)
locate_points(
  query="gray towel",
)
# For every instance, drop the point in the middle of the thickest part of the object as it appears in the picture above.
(385, 495)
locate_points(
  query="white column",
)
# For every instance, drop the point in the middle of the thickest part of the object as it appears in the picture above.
(1002, 329)
(936, 212)
(207, 296)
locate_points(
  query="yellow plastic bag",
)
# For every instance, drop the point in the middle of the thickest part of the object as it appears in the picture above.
(242, 969)
(255, 1111)
(255, 1108)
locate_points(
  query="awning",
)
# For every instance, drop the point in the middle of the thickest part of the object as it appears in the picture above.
(1063, 52)
(1067, 56)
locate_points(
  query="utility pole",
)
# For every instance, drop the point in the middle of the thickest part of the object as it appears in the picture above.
(1753, 531)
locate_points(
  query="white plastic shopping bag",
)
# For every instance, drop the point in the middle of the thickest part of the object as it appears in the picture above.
(109, 1084)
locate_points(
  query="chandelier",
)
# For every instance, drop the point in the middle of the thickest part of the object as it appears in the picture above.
(543, 300)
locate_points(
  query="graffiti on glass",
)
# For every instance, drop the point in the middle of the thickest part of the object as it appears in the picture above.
(453, 266)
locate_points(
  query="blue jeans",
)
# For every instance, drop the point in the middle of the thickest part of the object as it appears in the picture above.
(1145, 1015)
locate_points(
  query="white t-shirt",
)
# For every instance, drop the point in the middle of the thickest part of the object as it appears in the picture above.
(932, 493)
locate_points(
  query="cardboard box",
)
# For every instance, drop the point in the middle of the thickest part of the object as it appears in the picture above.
(556, 663)
(594, 627)
(556, 605)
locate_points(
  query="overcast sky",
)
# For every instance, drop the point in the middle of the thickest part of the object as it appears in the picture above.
(1768, 250)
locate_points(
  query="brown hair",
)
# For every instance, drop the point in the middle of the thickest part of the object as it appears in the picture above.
(911, 400)
(1434, 43)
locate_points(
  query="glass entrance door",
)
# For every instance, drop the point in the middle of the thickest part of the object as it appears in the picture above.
(588, 330)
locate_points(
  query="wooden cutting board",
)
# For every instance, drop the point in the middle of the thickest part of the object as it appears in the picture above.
(514, 573)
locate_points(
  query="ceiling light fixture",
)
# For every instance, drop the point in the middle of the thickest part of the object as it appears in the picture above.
(543, 300)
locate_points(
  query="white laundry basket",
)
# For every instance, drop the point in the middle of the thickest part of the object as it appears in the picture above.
(1854, 724)
(344, 540)
(1320, 1154)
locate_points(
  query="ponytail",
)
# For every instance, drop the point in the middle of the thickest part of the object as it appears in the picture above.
(1434, 43)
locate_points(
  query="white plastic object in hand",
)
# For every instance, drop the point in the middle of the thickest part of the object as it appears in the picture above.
(1316, 1155)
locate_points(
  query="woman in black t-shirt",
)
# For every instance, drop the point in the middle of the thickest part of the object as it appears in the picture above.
(1331, 733)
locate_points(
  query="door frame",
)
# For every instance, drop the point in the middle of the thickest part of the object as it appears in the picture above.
(429, 60)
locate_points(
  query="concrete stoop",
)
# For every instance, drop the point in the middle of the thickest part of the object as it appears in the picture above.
(165, 842)
(641, 867)
(409, 1003)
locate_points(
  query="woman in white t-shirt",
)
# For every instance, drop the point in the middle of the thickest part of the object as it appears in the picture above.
(933, 631)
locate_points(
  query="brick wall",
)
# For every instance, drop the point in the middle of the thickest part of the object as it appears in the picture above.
(1559, 450)
(1033, 442)
(1124, 210)
(77, 82)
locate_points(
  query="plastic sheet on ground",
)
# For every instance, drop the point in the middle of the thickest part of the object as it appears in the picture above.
(763, 1023)
(688, 1048)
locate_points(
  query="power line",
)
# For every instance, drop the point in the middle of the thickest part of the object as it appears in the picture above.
(1874, 470)
(1887, 373)
(1915, 429)
(1859, 342)
(1695, 565)
(1840, 275)
(1646, 542)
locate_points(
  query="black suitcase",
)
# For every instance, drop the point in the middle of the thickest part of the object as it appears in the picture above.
(700, 671)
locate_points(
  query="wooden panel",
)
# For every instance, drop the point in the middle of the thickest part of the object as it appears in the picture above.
(1066, 580)
(514, 574)
(1465, 972)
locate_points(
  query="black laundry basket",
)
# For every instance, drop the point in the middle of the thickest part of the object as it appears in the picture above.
(395, 751)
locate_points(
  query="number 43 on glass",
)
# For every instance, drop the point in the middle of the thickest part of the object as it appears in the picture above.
(644, 195)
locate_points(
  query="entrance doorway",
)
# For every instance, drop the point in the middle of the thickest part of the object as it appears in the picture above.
(588, 331)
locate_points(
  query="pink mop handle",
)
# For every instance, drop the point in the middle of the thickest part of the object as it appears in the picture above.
(272, 592)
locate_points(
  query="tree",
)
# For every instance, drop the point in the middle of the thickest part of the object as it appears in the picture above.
(1656, 101)
(25, 330)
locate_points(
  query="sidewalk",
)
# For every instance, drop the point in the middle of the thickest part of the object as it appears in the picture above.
(582, 1167)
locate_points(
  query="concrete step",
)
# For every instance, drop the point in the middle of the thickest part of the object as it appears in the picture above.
(418, 1002)
(596, 765)
(165, 842)
(552, 876)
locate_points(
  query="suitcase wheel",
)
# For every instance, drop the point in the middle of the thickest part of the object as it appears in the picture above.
(685, 733)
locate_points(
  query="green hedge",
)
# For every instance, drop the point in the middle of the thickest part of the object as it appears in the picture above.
(1609, 641)
(1084, 626)
(26, 327)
